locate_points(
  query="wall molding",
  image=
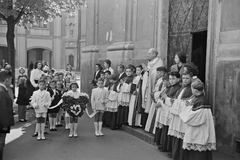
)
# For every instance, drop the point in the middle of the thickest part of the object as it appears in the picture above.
(91, 48)
(121, 46)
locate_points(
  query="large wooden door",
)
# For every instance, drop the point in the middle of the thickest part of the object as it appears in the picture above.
(185, 17)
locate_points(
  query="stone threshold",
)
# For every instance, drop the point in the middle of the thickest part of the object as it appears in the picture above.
(140, 133)
(149, 138)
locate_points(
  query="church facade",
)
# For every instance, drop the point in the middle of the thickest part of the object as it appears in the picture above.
(39, 42)
(207, 31)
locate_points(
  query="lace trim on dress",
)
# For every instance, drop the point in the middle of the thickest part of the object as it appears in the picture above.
(124, 103)
(176, 134)
(199, 147)
(166, 120)
(159, 125)
(112, 109)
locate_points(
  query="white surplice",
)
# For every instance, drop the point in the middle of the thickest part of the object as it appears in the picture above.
(200, 131)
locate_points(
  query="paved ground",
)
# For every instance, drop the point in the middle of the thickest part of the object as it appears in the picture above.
(115, 145)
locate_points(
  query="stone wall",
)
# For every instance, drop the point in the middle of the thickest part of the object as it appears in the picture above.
(123, 31)
(223, 75)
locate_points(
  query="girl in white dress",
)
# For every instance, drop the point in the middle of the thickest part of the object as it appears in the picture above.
(73, 92)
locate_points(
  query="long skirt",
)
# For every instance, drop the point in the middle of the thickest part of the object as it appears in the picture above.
(144, 118)
(131, 110)
(166, 140)
(112, 120)
(22, 111)
(150, 117)
(197, 155)
(122, 116)
(177, 150)
(106, 119)
(157, 136)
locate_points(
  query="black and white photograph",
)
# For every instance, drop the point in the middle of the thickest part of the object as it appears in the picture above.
(119, 80)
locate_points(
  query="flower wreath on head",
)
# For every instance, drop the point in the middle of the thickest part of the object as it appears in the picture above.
(75, 106)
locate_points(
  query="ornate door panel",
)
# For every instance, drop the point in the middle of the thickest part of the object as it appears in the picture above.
(185, 17)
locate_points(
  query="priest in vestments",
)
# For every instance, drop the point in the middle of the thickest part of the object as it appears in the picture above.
(149, 80)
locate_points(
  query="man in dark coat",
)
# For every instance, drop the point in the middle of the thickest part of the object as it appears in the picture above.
(6, 109)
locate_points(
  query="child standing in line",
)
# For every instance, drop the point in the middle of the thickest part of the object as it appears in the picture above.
(124, 97)
(106, 82)
(160, 118)
(41, 100)
(23, 99)
(166, 141)
(150, 124)
(112, 104)
(200, 139)
(73, 119)
(60, 88)
(54, 107)
(134, 118)
(66, 89)
(99, 100)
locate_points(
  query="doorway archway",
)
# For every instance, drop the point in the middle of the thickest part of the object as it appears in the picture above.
(41, 54)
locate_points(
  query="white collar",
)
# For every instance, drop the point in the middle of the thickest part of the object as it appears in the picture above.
(194, 77)
(152, 62)
(1, 84)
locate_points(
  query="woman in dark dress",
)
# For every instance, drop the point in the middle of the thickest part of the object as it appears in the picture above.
(23, 99)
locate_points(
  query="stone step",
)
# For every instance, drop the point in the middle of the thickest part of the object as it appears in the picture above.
(140, 133)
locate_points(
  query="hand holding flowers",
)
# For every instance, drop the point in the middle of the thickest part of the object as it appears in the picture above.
(75, 106)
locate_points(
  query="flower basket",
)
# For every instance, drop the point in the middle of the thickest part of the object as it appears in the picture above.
(75, 106)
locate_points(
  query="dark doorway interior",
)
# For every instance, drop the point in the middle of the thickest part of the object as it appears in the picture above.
(199, 49)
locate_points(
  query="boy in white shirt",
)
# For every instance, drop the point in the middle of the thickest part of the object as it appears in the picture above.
(41, 100)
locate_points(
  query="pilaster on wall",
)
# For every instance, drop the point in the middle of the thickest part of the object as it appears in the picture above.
(223, 72)
(123, 32)
(89, 57)
(162, 31)
(120, 53)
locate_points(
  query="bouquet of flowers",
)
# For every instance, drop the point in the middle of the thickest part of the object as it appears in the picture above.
(75, 106)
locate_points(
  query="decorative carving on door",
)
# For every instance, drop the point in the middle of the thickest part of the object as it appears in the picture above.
(185, 17)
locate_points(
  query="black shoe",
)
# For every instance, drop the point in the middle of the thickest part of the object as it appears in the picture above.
(160, 147)
(22, 120)
(35, 134)
(169, 155)
(45, 132)
(51, 129)
(59, 125)
(54, 129)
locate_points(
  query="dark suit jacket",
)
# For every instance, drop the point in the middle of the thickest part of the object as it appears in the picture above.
(6, 111)
(95, 77)
(57, 98)
(107, 83)
(122, 76)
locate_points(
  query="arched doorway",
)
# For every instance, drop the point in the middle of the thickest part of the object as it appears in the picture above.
(41, 54)
(71, 60)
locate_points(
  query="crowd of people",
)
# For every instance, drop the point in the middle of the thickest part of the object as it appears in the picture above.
(170, 104)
